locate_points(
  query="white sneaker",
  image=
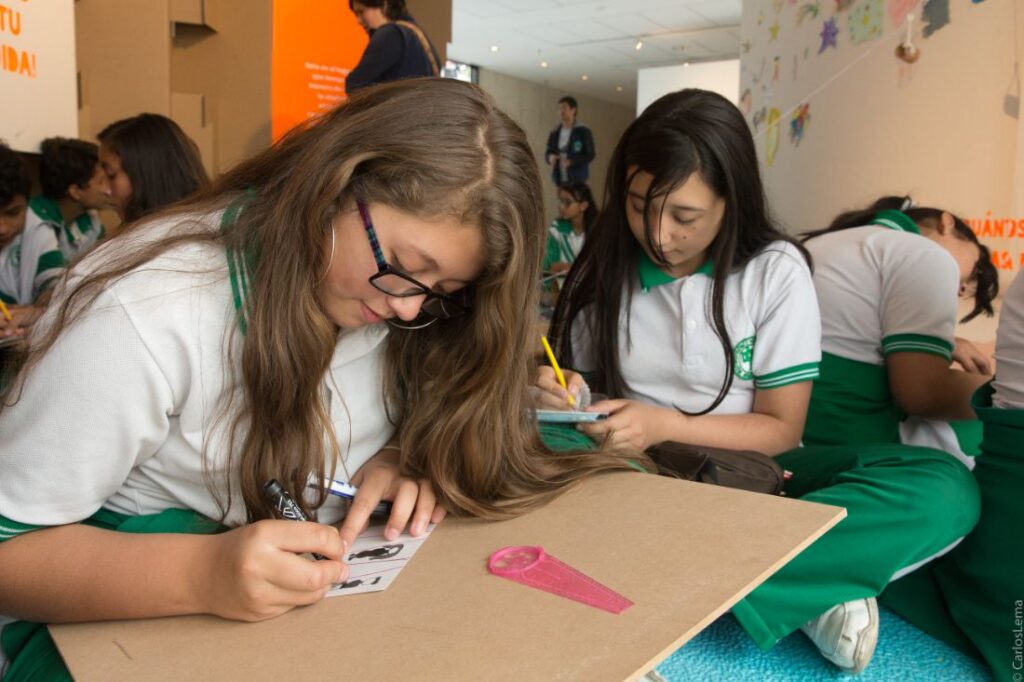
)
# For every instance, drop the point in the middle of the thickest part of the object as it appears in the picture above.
(846, 634)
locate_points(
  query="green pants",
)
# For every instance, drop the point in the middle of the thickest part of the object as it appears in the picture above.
(903, 504)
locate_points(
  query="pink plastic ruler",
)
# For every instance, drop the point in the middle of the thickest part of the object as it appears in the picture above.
(534, 567)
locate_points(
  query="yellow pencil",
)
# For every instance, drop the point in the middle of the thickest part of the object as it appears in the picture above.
(554, 366)
(6, 312)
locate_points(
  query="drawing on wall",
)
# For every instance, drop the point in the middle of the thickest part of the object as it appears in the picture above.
(759, 117)
(866, 21)
(829, 34)
(746, 45)
(774, 31)
(798, 123)
(898, 10)
(776, 66)
(771, 139)
(808, 11)
(936, 15)
(746, 102)
(795, 62)
(843, 5)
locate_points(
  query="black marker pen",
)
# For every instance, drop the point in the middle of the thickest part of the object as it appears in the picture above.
(286, 507)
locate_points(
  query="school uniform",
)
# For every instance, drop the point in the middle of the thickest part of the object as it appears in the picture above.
(966, 598)
(670, 356)
(145, 377)
(564, 243)
(74, 238)
(883, 289)
(30, 264)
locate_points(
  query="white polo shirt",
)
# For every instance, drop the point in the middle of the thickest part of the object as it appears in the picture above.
(883, 288)
(30, 263)
(1009, 381)
(670, 355)
(74, 238)
(117, 413)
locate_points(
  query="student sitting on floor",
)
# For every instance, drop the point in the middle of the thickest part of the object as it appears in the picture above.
(74, 189)
(888, 278)
(566, 234)
(30, 260)
(698, 316)
(347, 304)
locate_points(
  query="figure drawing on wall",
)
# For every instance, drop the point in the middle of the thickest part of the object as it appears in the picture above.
(936, 15)
(866, 21)
(829, 34)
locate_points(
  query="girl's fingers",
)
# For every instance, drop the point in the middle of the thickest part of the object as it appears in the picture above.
(437, 516)
(401, 508)
(298, 575)
(425, 503)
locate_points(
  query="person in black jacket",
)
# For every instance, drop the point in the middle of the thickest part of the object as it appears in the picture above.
(398, 47)
(570, 146)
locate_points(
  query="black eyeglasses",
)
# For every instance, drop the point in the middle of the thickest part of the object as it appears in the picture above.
(393, 282)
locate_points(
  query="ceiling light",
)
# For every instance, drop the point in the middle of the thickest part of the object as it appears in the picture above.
(618, 88)
(585, 77)
(543, 65)
(494, 48)
(639, 44)
(685, 64)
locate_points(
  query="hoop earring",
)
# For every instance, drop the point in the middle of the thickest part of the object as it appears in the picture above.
(330, 261)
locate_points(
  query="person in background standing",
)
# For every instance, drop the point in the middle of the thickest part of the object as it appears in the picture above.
(570, 146)
(398, 47)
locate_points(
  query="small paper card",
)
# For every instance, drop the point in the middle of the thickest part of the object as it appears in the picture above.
(373, 562)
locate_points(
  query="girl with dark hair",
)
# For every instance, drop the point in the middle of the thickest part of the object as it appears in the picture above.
(398, 47)
(698, 317)
(577, 213)
(347, 304)
(151, 164)
(887, 279)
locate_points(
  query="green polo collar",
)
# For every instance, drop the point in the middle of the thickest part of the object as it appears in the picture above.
(652, 276)
(895, 220)
(47, 209)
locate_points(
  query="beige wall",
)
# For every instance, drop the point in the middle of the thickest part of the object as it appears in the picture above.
(535, 108)
(228, 65)
(936, 129)
(435, 17)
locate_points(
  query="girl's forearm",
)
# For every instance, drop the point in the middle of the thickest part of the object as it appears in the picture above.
(78, 573)
(752, 431)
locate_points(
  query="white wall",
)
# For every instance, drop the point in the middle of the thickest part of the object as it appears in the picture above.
(37, 72)
(936, 129)
(722, 77)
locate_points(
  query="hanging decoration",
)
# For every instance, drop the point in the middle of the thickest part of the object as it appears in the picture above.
(936, 15)
(829, 34)
(798, 123)
(759, 118)
(898, 10)
(774, 31)
(907, 50)
(866, 21)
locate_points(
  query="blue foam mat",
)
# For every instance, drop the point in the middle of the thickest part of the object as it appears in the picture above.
(725, 652)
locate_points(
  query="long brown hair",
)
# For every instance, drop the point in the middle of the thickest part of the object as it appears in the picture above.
(458, 389)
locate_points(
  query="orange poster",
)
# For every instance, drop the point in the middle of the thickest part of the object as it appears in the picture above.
(316, 44)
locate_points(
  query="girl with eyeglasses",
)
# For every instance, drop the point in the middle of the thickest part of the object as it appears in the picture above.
(566, 234)
(347, 304)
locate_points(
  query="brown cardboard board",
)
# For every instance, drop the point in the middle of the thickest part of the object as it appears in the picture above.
(682, 552)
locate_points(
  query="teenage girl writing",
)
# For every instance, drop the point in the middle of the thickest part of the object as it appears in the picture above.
(348, 303)
(698, 317)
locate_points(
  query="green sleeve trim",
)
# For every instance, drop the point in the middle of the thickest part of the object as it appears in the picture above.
(808, 371)
(51, 260)
(917, 343)
(10, 529)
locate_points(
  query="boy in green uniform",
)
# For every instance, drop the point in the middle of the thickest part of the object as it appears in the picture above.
(30, 261)
(74, 189)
